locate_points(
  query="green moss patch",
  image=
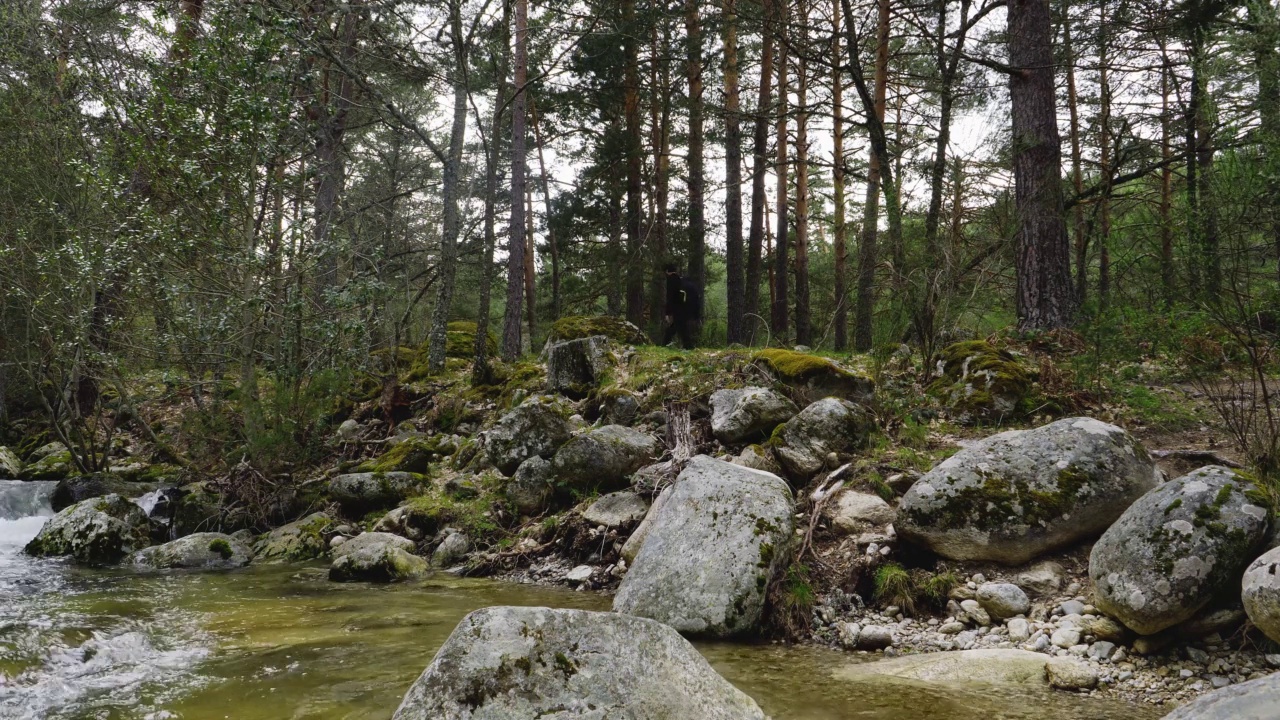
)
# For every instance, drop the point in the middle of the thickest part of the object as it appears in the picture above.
(584, 326)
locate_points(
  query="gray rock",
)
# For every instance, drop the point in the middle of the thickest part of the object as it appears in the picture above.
(1019, 630)
(650, 479)
(855, 512)
(72, 490)
(453, 548)
(379, 562)
(1043, 578)
(1069, 674)
(47, 450)
(875, 637)
(758, 457)
(1102, 650)
(603, 458)
(1253, 700)
(50, 462)
(1213, 620)
(977, 615)
(359, 493)
(400, 521)
(202, 551)
(349, 431)
(576, 367)
(507, 663)
(1019, 494)
(99, 531)
(619, 407)
(1104, 628)
(631, 547)
(749, 414)
(1260, 591)
(10, 464)
(1072, 607)
(1174, 549)
(711, 551)
(1065, 637)
(304, 539)
(370, 539)
(531, 490)
(617, 509)
(991, 666)
(830, 425)
(581, 573)
(1003, 600)
(535, 428)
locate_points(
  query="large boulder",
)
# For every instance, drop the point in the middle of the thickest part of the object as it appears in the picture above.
(531, 490)
(1260, 591)
(1019, 494)
(516, 663)
(1174, 549)
(632, 546)
(202, 551)
(99, 531)
(535, 428)
(711, 550)
(305, 539)
(576, 367)
(980, 382)
(986, 666)
(10, 464)
(370, 539)
(376, 560)
(361, 492)
(811, 377)
(749, 414)
(603, 458)
(411, 454)
(830, 425)
(618, 509)
(577, 327)
(49, 462)
(1253, 700)
(70, 491)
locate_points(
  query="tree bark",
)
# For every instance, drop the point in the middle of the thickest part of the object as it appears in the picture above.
(840, 248)
(481, 372)
(759, 197)
(1077, 166)
(781, 268)
(546, 201)
(511, 331)
(1045, 298)
(697, 185)
(867, 251)
(735, 290)
(1104, 161)
(659, 195)
(631, 100)
(804, 334)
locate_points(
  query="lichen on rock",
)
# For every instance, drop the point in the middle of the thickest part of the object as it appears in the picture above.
(98, 531)
(980, 382)
(813, 377)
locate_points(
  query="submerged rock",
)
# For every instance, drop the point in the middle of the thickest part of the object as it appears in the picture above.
(304, 539)
(711, 550)
(509, 663)
(535, 428)
(1260, 591)
(1021, 493)
(361, 492)
(603, 458)
(1175, 548)
(989, 666)
(827, 426)
(202, 551)
(749, 414)
(98, 531)
(1253, 700)
(379, 562)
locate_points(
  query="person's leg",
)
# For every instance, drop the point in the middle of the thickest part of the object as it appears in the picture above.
(669, 333)
(686, 332)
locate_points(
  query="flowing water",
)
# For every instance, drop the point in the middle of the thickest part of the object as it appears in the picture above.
(284, 643)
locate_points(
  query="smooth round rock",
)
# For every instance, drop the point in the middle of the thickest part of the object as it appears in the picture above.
(1260, 591)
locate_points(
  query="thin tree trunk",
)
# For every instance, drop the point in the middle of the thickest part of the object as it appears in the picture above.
(697, 221)
(867, 251)
(511, 335)
(481, 372)
(617, 253)
(660, 142)
(530, 272)
(330, 164)
(546, 201)
(804, 334)
(631, 95)
(734, 281)
(1104, 162)
(840, 248)
(1077, 166)
(781, 268)
(759, 197)
(1166, 179)
(1045, 296)
(1211, 259)
(1194, 224)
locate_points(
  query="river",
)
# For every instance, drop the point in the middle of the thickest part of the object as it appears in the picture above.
(282, 642)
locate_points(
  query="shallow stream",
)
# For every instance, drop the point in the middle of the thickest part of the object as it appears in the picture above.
(284, 643)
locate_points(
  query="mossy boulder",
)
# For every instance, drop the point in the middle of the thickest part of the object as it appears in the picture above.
(603, 458)
(361, 492)
(517, 663)
(10, 464)
(584, 326)
(827, 426)
(54, 466)
(535, 428)
(301, 540)
(203, 507)
(1173, 550)
(370, 539)
(531, 490)
(70, 491)
(576, 368)
(201, 551)
(98, 531)
(711, 550)
(376, 559)
(1019, 494)
(980, 382)
(412, 454)
(748, 414)
(813, 377)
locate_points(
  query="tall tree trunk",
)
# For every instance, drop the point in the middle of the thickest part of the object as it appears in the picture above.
(1166, 179)
(867, 251)
(1045, 297)
(1077, 166)
(1104, 161)
(804, 334)
(781, 268)
(511, 335)
(546, 201)
(450, 191)
(697, 220)
(330, 162)
(1194, 223)
(617, 252)
(530, 274)
(481, 371)
(660, 142)
(840, 247)
(735, 290)
(1205, 148)
(760, 168)
(631, 100)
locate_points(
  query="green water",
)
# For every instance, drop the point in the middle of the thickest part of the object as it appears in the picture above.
(284, 643)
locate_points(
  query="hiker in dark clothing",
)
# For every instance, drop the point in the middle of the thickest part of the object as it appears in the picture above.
(684, 308)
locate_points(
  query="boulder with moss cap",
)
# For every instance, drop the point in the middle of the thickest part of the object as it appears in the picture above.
(1174, 549)
(812, 377)
(98, 531)
(201, 551)
(378, 557)
(710, 550)
(305, 539)
(535, 428)
(577, 327)
(516, 663)
(979, 381)
(1022, 493)
(827, 426)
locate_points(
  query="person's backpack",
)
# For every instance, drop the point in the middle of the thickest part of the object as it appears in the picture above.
(692, 297)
